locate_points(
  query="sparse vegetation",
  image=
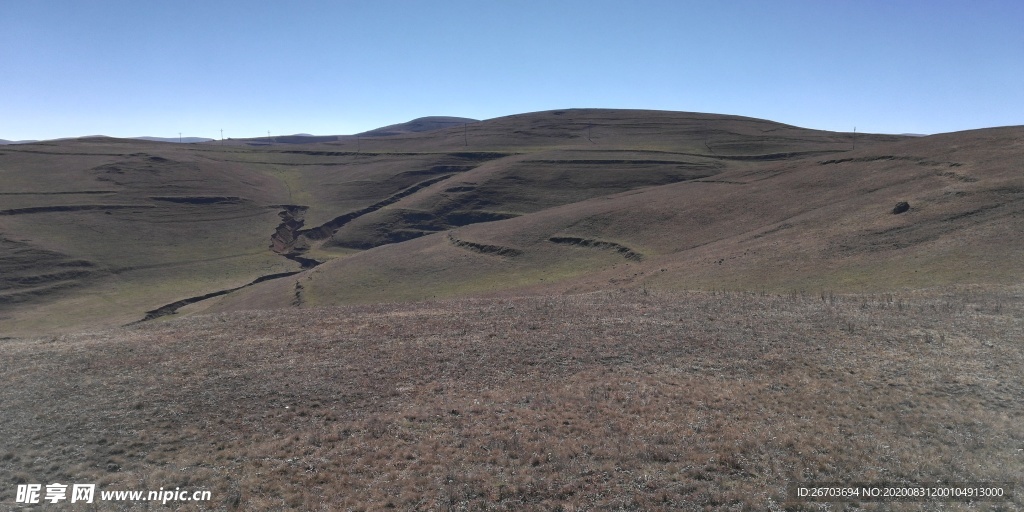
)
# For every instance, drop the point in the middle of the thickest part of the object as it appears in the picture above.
(612, 400)
(561, 355)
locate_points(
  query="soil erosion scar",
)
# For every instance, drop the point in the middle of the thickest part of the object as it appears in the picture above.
(173, 307)
(292, 219)
(71, 208)
(285, 240)
(291, 241)
(327, 229)
(484, 248)
(626, 252)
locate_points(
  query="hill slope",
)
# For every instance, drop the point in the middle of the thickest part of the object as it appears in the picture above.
(819, 222)
(101, 231)
(187, 140)
(580, 353)
(422, 124)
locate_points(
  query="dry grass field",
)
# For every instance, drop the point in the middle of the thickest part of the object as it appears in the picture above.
(565, 310)
(612, 400)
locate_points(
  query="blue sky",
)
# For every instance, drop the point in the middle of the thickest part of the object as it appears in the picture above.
(159, 67)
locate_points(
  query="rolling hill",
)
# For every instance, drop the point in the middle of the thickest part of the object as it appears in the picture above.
(421, 124)
(185, 140)
(564, 310)
(570, 220)
(102, 231)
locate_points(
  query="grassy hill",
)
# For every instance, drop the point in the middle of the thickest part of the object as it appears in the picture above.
(563, 310)
(421, 124)
(101, 231)
(818, 221)
(140, 222)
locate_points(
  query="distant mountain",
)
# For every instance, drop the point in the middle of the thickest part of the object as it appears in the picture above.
(175, 139)
(299, 138)
(423, 124)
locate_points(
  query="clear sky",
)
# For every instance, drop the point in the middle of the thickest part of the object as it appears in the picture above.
(160, 67)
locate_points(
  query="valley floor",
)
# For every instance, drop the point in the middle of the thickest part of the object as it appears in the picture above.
(613, 400)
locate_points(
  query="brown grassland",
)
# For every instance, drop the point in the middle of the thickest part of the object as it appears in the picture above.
(579, 309)
(97, 232)
(613, 400)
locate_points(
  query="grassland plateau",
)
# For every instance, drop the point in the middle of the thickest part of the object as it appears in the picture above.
(579, 309)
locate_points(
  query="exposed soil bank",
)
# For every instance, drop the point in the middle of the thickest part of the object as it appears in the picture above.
(497, 250)
(72, 208)
(598, 244)
(287, 232)
(173, 307)
(327, 229)
(286, 242)
(282, 242)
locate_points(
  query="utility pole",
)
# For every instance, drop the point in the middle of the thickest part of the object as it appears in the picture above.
(854, 137)
(268, 136)
(179, 137)
(465, 136)
(222, 136)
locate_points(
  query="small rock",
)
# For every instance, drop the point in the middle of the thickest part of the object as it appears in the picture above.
(901, 207)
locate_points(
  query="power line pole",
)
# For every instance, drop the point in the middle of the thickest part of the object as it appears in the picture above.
(179, 137)
(465, 136)
(222, 136)
(854, 137)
